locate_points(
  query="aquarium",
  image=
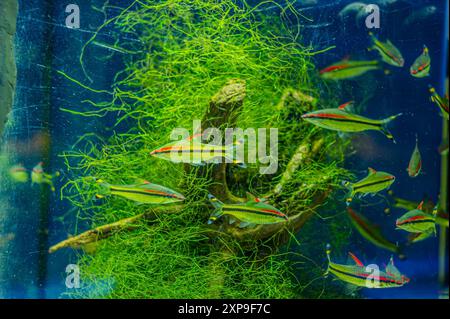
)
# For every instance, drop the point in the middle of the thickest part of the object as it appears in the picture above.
(206, 149)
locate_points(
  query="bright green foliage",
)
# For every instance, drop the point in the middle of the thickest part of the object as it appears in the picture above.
(191, 49)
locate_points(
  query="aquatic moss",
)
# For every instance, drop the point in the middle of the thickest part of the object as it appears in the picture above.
(187, 51)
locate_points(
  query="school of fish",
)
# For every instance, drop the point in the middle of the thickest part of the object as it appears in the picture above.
(419, 223)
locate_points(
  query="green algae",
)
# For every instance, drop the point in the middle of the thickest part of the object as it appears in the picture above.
(191, 50)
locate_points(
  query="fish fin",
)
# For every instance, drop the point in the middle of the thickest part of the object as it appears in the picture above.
(346, 184)
(217, 211)
(349, 195)
(140, 181)
(420, 206)
(328, 252)
(250, 196)
(229, 153)
(214, 216)
(425, 50)
(245, 224)
(343, 135)
(392, 270)
(231, 220)
(384, 128)
(215, 202)
(190, 138)
(431, 89)
(355, 259)
(371, 170)
(349, 199)
(347, 106)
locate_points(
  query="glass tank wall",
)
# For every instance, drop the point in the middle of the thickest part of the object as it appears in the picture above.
(324, 173)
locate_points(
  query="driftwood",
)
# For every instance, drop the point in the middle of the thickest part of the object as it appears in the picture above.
(223, 111)
(105, 231)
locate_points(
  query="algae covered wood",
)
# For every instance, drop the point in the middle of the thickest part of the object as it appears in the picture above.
(223, 111)
(8, 15)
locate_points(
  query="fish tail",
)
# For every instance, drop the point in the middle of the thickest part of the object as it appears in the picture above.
(328, 251)
(229, 153)
(435, 209)
(384, 125)
(101, 181)
(349, 195)
(218, 208)
(431, 88)
(104, 188)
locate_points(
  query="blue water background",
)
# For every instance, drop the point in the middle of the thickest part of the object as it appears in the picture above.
(44, 45)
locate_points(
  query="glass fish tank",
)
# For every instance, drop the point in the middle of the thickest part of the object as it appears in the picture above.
(234, 149)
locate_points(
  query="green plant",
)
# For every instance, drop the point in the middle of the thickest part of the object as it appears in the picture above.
(230, 64)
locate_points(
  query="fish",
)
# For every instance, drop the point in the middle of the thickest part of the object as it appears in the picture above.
(142, 193)
(428, 207)
(415, 162)
(373, 183)
(253, 212)
(38, 176)
(441, 216)
(342, 120)
(389, 53)
(19, 174)
(348, 69)
(354, 7)
(196, 153)
(442, 102)
(371, 232)
(407, 204)
(417, 221)
(421, 66)
(420, 14)
(359, 275)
